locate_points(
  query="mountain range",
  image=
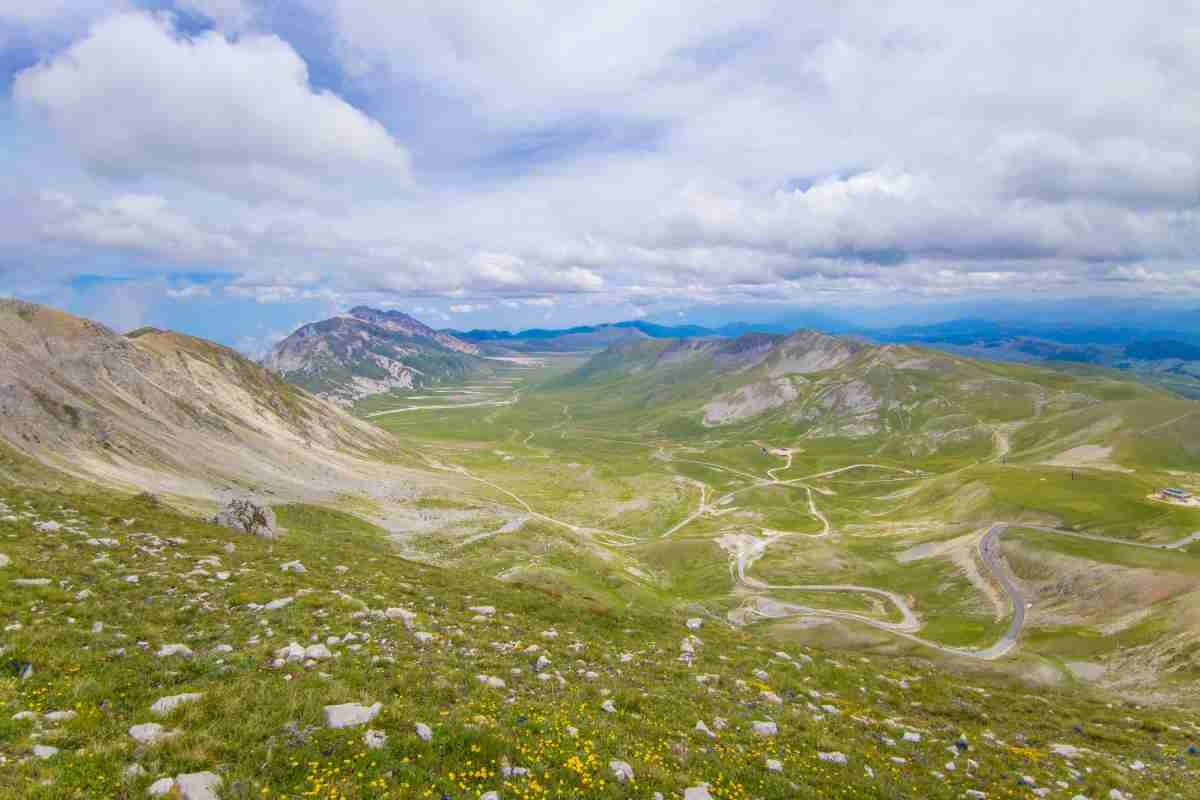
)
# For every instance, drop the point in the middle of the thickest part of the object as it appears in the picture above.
(368, 352)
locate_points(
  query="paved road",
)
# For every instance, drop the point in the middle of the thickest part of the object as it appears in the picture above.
(989, 552)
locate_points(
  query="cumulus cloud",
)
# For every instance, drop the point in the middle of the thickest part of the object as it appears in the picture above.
(136, 98)
(633, 155)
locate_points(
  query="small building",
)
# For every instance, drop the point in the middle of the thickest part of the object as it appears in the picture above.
(1172, 493)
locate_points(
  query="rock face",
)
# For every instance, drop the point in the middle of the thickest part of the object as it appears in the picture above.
(367, 352)
(244, 514)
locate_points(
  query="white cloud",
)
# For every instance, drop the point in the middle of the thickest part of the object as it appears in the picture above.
(653, 154)
(136, 99)
(468, 308)
(189, 292)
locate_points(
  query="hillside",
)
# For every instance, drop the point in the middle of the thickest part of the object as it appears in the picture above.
(887, 499)
(161, 654)
(366, 352)
(164, 412)
(587, 589)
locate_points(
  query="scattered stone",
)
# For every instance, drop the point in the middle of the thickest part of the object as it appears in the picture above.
(424, 732)
(150, 733)
(483, 611)
(59, 716)
(697, 793)
(4, 560)
(694, 624)
(774, 765)
(317, 652)
(834, 758)
(348, 715)
(608, 707)
(621, 771)
(764, 728)
(165, 705)
(31, 581)
(44, 751)
(168, 650)
(198, 785)
(402, 614)
(293, 566)
(161, 787)
(275, 605)
(374, 740)
(702, 728)
(292, 654)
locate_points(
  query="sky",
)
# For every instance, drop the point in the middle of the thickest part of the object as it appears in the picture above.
(233, 168)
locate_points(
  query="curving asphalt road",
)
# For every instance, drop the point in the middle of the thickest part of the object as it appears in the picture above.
(989, 552)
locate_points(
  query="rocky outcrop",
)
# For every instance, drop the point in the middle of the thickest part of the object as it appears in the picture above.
(244, 514)
(750, 401)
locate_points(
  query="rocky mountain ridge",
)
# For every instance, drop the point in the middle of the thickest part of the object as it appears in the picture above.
(160, 410)
(367, 351)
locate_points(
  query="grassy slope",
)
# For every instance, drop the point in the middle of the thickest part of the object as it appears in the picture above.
(262, 732)
(581, 443)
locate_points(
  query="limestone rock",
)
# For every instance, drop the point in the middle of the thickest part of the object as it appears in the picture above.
(764, 728)
(161, 787)
(150, 733)
(168, 650)
(165, 705)
(348, 715)
(621, 771)
(244, 514)
(198, 785)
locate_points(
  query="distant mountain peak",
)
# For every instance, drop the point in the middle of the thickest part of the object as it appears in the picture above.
(400, 322)
(367, 351)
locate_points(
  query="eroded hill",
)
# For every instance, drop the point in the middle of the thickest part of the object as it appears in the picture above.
(163, 412)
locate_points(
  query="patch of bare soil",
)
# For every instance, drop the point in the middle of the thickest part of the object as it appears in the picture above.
(1090, 456)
